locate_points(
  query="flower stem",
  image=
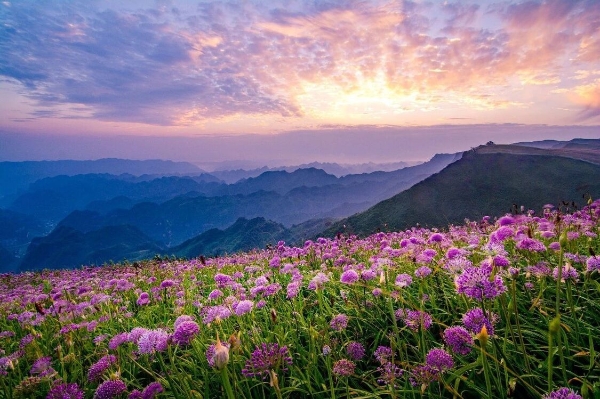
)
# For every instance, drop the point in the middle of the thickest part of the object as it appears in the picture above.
(226, 383)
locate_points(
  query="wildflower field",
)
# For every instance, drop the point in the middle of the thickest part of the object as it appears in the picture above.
(490, 309)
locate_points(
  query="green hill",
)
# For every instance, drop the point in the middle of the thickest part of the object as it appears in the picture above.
(481, 183)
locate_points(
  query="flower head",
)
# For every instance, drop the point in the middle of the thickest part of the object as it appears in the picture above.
(267, 357)
(562, 393)
(349, 277)
(475, 319)
(355, 350)
(339, 322)
(458, 339)
(99, 368)
(110, 389)
(343, 368)
(479, 283)
(65, 391)
(185, 332)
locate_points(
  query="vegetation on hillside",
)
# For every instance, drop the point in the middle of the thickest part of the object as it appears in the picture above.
(489, 309)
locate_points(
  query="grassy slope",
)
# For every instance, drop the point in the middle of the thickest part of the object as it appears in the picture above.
(478, 185)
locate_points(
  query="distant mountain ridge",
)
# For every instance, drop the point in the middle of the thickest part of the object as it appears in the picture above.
(16, 176)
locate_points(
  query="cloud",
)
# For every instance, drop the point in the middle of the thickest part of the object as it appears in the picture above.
(588, 96)
(292, 60)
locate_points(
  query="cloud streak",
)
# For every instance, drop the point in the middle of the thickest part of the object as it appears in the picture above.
(308, 62)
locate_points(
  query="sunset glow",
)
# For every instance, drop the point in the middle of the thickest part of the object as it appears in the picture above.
(208, 67)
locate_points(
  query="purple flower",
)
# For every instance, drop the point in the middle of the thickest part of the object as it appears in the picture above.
(153, 389)
(562, 393)
(592, 264)
(117, 340)
(65, 391)
(502, 234)
(343, 368)
(339, 322)
(355, 350)
(474, 320)
(326, 350)
(506, 220)
(99, 368)
(219, 312)
(568, 273)
(436, 237)
(185, 331)
(318, 281)
(383, 354)
(478, 283)
(153, 341)
(243, 307)
(293, 289)
(403, 280)
(415, 319)
(439, 360)
(349, 277)
(110, 389)
(143, 299)
(422, 272)
(531, 244)
(389, 373)
(501, 261)
(458, 339)
(167, 283)
(42, 367)
(368, 274)
(214, 294)
(376, 292)
(267, 357)
(222, 280)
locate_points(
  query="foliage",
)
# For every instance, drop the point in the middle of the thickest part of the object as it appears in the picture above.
(492, 309)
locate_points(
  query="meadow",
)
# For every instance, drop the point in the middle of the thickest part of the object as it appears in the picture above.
(495, 308)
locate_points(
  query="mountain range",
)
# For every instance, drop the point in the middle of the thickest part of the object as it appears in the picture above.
(100, 217)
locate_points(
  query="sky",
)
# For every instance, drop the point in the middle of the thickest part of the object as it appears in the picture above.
(293, 80)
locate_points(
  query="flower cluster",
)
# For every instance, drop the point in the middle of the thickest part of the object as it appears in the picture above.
(267, 357)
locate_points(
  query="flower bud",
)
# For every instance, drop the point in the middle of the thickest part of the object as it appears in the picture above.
(483, 336)
(554, 326)
(221, 356)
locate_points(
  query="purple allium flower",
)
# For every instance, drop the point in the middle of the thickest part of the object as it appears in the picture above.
(458, 339)
(423, 375)
(422, 272)
(415, 319)
(383, 354)
(135, 394)
(153, 341)
(349, 277)
(182, 319)
(214, 294)
(562, 393)
(439, 360)
(275, 261)
(339, 322)
(143, 299)
(153, 389)
(267, 357)
(110, 389)
(343, 368)
(592, 264)
(376, 292)
(531, 244)
(478, 283)
(243, 307)
(454, 252)
(219, 312)
(293, 289)
(368, 275)
(355, 350)
(117, 340)
(389, 373)
(501, 261)
(568, 273)
(222, 280)
(474, 320)
(403, 280)
(65, 391)
(42, 367)
(326, 350)
(97, 369)
(167, 283)
(502, 234)
(272, 289)
(506, 220)
(436, 237)
(184, 332)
